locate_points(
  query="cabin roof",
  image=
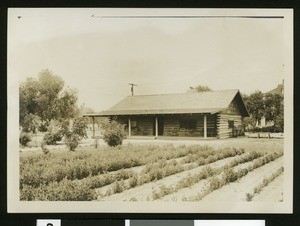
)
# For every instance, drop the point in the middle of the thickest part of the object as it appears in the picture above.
(180, 103)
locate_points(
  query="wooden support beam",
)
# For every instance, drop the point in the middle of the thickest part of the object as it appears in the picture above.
(205, 126)
(156, 126)
(129, 127)
(93, 127)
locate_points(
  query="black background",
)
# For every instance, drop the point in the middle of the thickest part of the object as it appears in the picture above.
(109, 219)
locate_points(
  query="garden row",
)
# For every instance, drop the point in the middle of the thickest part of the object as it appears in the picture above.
(192, 181)
(85, 171)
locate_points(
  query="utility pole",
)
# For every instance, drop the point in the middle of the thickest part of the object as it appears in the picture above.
(132, 85)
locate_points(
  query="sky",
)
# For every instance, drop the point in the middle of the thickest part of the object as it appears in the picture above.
(100, 55)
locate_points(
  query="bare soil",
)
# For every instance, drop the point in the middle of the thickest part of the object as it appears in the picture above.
(273, 192)
(236, 191)
(144, 192)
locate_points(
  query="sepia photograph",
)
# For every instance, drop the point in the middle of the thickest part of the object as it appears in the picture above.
(150, 110)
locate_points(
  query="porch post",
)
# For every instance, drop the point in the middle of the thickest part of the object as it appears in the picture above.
(156, 127)
(129, 127)
(93, 127)
(205, 126)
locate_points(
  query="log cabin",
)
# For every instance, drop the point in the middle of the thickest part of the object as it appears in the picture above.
(211, 114)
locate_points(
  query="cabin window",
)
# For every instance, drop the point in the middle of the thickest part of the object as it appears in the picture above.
(230, 124)
(188, 124)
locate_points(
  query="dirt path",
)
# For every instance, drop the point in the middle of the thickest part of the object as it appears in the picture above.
(236, 191)
(142, 192)
(273, 192)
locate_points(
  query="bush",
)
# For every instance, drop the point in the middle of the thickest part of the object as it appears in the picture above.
(52, 137)
(25, 138)
(45, 150)
(72, 141)
(74, 132)
(96, 143)
(114, 134)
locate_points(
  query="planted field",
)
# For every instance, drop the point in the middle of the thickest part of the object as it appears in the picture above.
(151, 173)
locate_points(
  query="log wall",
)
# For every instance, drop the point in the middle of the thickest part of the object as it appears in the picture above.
(223, 126)
(172, 126)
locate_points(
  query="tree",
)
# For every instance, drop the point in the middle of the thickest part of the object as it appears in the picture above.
(47, 98)
(31, 123)
(274, 110)
(256, 107)
(28, 92)
(200, 88)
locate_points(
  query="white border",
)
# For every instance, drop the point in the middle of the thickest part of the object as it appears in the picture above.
(16, 206)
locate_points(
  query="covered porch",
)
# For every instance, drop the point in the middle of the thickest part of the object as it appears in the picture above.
(167, 126)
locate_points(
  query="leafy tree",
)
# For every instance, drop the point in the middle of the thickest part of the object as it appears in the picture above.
(202, 88)
(274, 109)
(28, 92)
(47, 99)
(256, 107)
(67, 107)
(199, 88)
(31, 123)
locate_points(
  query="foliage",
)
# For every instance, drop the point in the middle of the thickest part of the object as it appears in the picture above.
(45, 150)
(78, 165)
(240, 131)
(45, 176)
(52, 137)
(47, 99)
(264, 183)
(256, 107)
(274, 109)
(66, 190)
(229, 175)
(31, 123)
(71, 140)
(96, 143)
(25, 138)
(114, 134)
(28, 91)
(103, 122)
(270, 106)
(200, 88)
(74, 131)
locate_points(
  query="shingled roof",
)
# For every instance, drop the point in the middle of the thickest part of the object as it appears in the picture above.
(181, 103)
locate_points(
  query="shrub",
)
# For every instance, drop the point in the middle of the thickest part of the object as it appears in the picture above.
(240, 131)
(114, 134)
(96, 143)
(74, 132)
(52, 137)
(25, 138)
(66, 190)
(45, 150)
(72, 141)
